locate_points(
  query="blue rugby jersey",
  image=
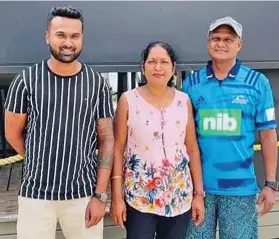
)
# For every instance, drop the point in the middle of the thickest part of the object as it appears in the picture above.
(227, 115)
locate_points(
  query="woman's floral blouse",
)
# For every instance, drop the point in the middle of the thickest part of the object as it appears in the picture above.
(157, 176)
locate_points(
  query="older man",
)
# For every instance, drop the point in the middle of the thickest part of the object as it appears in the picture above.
(232, 101)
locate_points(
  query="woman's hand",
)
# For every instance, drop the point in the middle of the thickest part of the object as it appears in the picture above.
(198, 209)
(118, 211)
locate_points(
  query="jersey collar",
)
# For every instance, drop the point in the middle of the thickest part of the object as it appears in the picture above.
(232, 74)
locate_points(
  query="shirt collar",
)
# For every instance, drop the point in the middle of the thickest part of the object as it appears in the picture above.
(232, 74)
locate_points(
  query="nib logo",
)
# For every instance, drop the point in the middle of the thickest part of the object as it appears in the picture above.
(220, 122)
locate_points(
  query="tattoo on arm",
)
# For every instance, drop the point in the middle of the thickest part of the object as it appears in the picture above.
(105, 161)
(106, 143)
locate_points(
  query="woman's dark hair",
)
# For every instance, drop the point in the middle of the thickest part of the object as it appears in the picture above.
(65, 11)
(169, 50)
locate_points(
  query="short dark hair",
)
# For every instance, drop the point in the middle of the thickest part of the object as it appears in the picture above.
(65, 11)
(169, 50)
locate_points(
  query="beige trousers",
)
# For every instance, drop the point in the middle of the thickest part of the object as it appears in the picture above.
(37, 219)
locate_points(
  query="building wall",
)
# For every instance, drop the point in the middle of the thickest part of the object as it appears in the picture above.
(116, 32)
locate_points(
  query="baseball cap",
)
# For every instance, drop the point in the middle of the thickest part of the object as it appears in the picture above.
(226, 21)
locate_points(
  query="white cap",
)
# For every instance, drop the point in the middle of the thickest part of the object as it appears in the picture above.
(226, 21)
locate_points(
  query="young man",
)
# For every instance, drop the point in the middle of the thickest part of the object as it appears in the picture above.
(56, 112)
(232, 101)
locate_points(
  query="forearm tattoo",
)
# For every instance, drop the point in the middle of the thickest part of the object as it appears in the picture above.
(106, 143)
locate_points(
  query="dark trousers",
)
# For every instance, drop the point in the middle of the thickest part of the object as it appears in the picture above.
(145, 225)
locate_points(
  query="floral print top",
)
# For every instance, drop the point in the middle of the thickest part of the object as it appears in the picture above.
(157, 176)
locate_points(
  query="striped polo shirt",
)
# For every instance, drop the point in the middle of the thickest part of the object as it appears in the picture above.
(227, 114)
(60, 134)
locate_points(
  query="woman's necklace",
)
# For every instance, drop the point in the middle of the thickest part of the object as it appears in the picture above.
(159, 106)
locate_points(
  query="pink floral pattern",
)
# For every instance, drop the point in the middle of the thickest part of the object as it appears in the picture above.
(157, 175)
(163, 189)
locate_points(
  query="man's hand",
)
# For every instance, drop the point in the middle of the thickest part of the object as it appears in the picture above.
(266, 199)
(94, 213)
(118, 212)
(198, 210)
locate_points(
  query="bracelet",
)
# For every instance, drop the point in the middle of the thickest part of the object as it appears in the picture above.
(201, 194)
(116, 177)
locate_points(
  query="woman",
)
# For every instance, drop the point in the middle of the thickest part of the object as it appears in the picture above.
(154, 126)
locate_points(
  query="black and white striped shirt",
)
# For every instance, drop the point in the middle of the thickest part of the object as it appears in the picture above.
(60, 136)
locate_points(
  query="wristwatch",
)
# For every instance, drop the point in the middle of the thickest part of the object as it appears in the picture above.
(273, 185)
(101, 196)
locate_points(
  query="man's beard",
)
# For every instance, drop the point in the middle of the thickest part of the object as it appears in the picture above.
(58, 55)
